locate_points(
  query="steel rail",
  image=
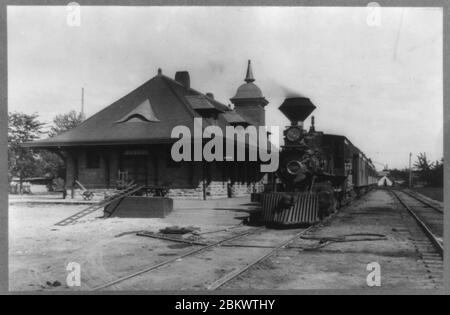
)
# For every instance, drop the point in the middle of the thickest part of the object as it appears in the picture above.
(228, 277)
(232, 275)
(423, 201)
(166, 262)
(437, 244)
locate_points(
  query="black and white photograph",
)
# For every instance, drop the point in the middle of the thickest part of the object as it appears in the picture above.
(217, 149)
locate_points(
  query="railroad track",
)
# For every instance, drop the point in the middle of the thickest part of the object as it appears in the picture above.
(223, 280)
(234, 274)
(429, 204)
(267, 252)
(429, 217)
(166, 262)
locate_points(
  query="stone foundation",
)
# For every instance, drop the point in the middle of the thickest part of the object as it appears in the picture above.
(186, 193)
(218, 190)
(215, 190)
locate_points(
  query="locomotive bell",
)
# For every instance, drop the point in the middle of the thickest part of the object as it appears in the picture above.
(297, 109)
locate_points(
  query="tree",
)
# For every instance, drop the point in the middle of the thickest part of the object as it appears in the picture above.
(437, 174)
(431, 173)
(52, 163)
(399, 175)
(25, 162)
(65, 122)
(22, 161)
(422, 164)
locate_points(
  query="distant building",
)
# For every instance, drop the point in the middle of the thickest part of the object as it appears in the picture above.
(31, 185)
(131, 138)
(384, 182)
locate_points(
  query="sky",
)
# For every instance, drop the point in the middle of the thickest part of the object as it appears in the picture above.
(375, 74)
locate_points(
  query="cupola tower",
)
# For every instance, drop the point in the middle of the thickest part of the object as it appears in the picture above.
(249, 101)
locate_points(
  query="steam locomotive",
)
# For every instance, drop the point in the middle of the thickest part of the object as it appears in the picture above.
(318, 172)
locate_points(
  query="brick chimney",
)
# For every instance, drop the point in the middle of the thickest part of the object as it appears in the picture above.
(183, 78)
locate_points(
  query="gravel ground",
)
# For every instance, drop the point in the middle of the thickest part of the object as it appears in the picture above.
(108, 249)
(344, 265)
(39, 251)
(435, 193)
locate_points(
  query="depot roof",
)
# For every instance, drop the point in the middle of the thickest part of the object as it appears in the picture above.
(145, 115)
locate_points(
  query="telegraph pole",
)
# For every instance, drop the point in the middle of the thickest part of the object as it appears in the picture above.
(410, 171)
(83, 117)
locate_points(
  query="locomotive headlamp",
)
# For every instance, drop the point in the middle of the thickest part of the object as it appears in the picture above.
(294, 167)
(293, 134)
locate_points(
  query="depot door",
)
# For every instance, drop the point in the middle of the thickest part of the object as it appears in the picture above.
(135, 164)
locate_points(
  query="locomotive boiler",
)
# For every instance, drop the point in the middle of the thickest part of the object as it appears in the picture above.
(318, 171)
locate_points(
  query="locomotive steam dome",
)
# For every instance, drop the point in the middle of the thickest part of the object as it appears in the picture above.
(297, 109)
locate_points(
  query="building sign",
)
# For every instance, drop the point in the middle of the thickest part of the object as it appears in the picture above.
(136, 152)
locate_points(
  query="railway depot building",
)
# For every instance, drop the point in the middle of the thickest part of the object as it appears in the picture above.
(130, 140)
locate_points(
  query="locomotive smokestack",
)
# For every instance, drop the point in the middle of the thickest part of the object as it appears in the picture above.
(297, 109)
